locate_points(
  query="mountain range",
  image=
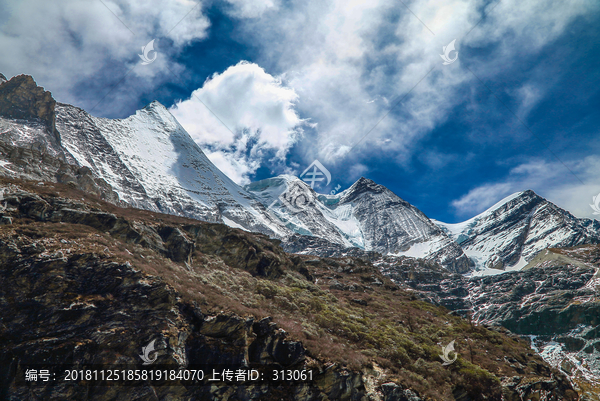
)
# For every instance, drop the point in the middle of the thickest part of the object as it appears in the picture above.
(148, 161)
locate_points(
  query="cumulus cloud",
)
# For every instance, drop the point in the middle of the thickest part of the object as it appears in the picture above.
(480, 198)
(240, 117)
(548, 179)
(73, 43)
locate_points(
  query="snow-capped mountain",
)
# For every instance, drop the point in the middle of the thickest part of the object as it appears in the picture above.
(154, 164)
(312, 217)
(367, 216)
(510, 233)
(148, 159)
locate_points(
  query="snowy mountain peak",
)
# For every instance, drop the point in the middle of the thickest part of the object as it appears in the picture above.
(366, 185)
(155, 104)
(366, 182)
(366, 215)
(510, 233)
(148, 158)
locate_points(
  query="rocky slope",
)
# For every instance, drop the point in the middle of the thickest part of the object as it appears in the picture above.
(509, 234)
(554, 302)
(84, 283)
(367, 216)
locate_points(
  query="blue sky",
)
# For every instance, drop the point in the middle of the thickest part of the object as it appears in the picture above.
(289, 82)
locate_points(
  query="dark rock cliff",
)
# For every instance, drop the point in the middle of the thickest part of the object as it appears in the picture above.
(21, 98)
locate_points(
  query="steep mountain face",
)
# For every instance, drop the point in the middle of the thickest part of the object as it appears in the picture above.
(366, 215)
(512, 232)
(148, 159)
(153, 163)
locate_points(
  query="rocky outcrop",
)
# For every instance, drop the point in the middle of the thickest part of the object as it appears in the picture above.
(517, 389)
(21, 98)
(168, 241)
(396, 392)
(30, 145)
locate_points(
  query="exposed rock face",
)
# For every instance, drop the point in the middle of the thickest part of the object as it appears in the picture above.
(81, 310)
(37, 164)
(22, 99)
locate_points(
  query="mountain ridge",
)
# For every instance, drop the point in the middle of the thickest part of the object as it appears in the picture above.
(510, 233)
(367, 215)
(149, 161)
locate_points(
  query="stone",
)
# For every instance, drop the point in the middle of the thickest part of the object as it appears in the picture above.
(21, 98)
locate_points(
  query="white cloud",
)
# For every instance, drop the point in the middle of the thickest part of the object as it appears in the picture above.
(357, 170)
(340, 54)
(240, 115)
(251, 8)
(480, 198)
(529, 97)
(550, 180)
(69, 42)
